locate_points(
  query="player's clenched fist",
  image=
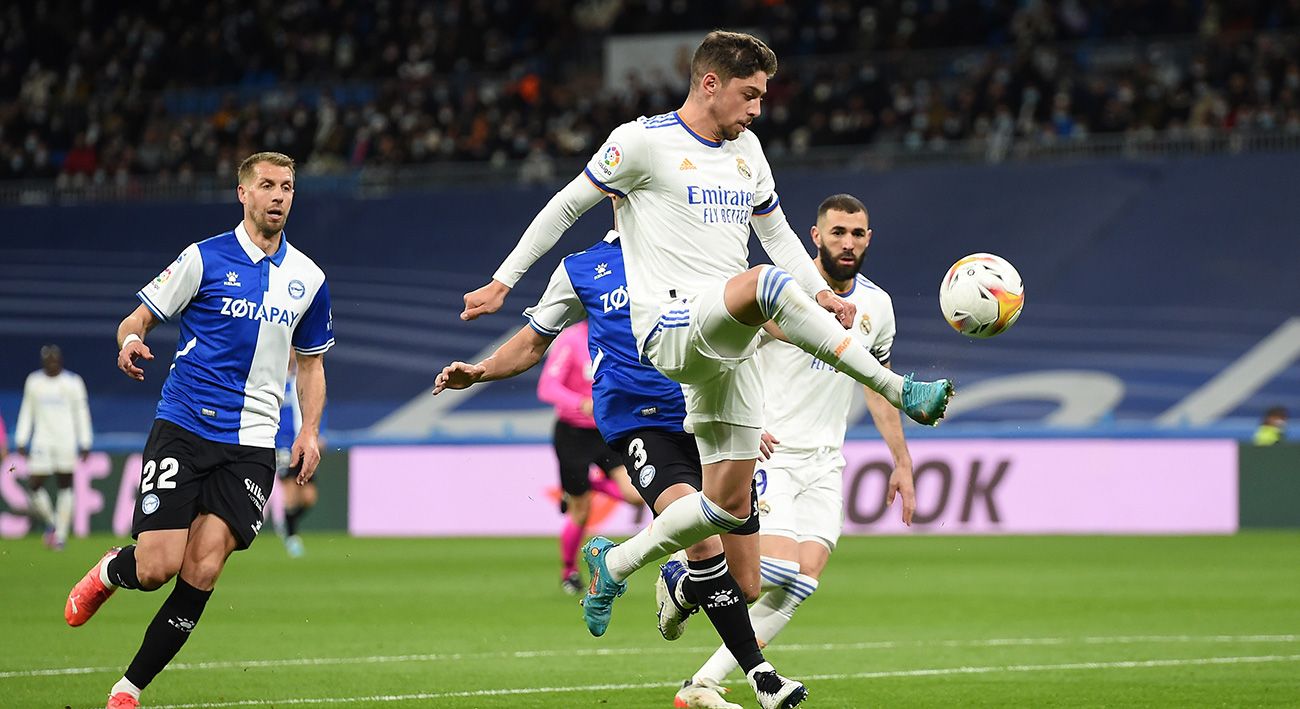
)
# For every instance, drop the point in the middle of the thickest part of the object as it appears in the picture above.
(458, 375)
(843, 310)
(131, 351)
(485, 300)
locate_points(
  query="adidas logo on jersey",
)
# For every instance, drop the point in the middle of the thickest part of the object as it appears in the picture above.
(687, 164)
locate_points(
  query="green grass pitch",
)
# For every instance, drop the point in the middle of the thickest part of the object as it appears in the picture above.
(920, 621)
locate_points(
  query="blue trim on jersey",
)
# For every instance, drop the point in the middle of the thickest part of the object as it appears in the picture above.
(277, 258)
(763, 211)
(315, 350)
(601, 185)
(852, 287)
(542, 330)
(662, 120)
(627, 394)
(697, 136)
(157, 312)
(867, 282)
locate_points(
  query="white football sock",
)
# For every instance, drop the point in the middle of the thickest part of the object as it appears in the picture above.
(41, 506)
(817, 332)
(686, 521)
(782, 609)
(124, 685)
(63, 514)
(774, 572)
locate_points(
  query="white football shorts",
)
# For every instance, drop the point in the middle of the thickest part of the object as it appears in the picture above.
(801, 495)
(699, 345)
(44, 460)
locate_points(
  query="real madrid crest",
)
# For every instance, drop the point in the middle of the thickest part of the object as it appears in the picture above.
(743, 169)
(865, 324)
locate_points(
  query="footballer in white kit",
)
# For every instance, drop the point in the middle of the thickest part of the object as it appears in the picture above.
(800, 490)
(687, 187)
(53, 432)
(800, 487)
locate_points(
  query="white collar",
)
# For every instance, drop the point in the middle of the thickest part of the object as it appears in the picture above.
(254, 252)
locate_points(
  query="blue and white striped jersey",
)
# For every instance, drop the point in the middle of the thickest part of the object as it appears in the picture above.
(627, 395)
(239, 312)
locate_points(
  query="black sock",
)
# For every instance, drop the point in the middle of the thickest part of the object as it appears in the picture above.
(710, 585)
(167, 633)
(291, 517)
(121, 569)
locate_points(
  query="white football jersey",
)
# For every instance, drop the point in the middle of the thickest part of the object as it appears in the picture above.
(54, 414)
(682, 204)
(807, 401)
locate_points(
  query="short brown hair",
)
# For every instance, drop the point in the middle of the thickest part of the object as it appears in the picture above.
(277, 159)
(731, 55)
(846, 203)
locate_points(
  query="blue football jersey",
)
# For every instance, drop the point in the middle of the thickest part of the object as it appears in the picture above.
(240, 311)
(627, 394)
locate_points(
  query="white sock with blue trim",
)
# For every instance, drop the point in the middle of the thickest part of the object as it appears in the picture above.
(686, 521)
(817, 332)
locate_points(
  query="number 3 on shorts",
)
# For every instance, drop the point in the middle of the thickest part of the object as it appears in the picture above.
(636, 451)
(166, 469)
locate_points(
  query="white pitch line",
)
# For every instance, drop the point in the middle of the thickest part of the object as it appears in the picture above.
(660, 650)
(927, 672)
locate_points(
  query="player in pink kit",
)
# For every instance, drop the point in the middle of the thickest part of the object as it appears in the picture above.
(566, 384)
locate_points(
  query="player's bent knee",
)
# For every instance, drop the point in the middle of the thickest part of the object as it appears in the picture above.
(751, 584)
(154, 573)
(203, 573)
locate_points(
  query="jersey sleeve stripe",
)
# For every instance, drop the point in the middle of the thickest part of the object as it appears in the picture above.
(601, 185)
(542, 329)
(158, 313)
(319, 349)
(764, 211)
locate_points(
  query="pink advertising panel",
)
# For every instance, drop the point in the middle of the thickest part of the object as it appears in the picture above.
(505, 490)
(1050, 487)
(963, 487)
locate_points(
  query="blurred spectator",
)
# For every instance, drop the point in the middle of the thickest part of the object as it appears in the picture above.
(1272, 429)
(175, 90)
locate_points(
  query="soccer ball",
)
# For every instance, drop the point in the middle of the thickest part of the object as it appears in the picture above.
(981, 295)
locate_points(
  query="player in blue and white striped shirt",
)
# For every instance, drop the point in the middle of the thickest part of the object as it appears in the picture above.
(641, 413)
(242, 299)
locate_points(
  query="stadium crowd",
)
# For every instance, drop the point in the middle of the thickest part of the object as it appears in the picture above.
(93, 91)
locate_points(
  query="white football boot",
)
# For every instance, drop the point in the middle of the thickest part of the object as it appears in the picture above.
(702, 694)
(773, 690)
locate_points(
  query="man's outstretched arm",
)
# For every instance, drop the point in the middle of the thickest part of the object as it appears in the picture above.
(548, 226)
(518, 355)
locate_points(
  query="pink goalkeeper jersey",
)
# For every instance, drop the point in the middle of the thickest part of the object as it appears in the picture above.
(566, 379)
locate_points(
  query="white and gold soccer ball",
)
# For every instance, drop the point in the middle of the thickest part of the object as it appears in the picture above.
(981, 295)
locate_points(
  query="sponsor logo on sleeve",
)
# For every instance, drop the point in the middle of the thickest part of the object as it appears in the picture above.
(610, 158)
